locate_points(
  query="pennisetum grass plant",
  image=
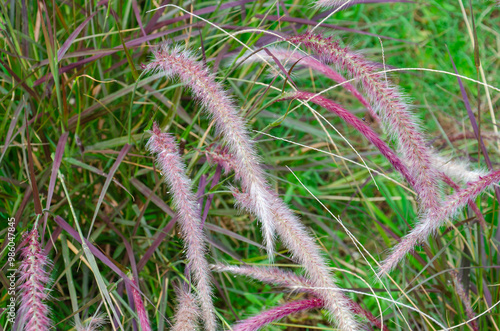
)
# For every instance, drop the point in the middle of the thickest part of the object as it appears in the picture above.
(170, 163)
(32, 284)
(273, 213)
(359, 125)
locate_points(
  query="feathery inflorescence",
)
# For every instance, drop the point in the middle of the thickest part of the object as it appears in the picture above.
(94, 324)
(332, 3)
(290, 280)
(360, 126)
(389, 103)
(459, 170)
(173, 170)
(176, 62)
(269, 275)
(437, 217)
(33, 282)
(187, 313)
(295, 57)
(261, 201)
(259, 321)
(140, 309)
(307, 253)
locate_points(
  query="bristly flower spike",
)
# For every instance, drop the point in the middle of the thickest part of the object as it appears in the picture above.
(177, 62)
(262, 202)
(307, 253)
(173, 171)
(95, 323)
(187, 313)
(33, 284)
(293, 282)
(436, 218)
(389, 103)
(139, 307)
(259, 321)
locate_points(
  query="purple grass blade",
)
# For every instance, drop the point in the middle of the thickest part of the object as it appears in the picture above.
(154, 198)
(475, 127)
(108, 181)
(12, 125)
(53, 176)
(96, 252)
(158, 240)
(65, 46)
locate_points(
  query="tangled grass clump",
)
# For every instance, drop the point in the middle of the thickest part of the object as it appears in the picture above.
(151, 156)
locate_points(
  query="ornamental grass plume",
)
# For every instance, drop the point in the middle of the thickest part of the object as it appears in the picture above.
(32, 284)
(173, 171)
(259, 321)
(173, 61)
(332, 3)
(139, 307)
(291, 281)
(262, 202)
(436, 218)
(187, 313)
(464, 296)
(94, 324)
(389, 103)
(458, 170)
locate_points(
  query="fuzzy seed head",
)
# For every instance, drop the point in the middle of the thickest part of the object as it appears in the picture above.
(32, 284)
(172, 168)
(140, 309)
(390, 104)
(175, 62)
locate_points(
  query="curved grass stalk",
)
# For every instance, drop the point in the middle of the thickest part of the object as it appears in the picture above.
(173, 170)
(294, 57)
(172, 62)
(389, 103)
(360, 126)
